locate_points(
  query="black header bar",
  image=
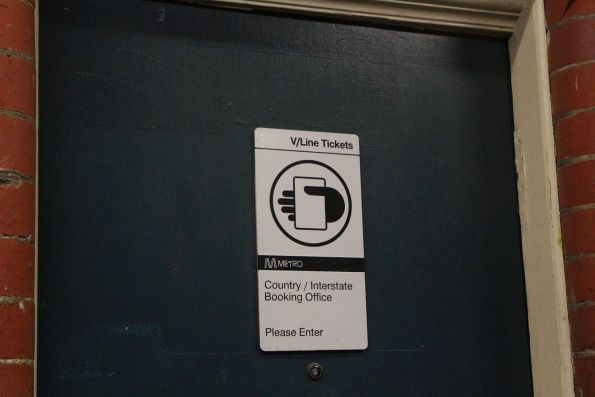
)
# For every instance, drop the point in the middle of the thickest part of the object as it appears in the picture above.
(310, 263)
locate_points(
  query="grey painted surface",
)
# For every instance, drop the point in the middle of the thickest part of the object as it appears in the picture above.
(147, 272)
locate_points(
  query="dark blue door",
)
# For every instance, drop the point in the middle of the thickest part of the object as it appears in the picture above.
(147, 256)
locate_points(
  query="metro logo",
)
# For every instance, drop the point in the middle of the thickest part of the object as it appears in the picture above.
(273, 263)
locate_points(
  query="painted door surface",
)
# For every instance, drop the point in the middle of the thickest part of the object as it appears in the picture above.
(147, 253)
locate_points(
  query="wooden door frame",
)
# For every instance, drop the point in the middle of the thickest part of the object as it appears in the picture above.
(487, 17)
(523, 23)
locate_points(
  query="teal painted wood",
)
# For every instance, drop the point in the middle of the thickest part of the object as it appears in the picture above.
(147, 266)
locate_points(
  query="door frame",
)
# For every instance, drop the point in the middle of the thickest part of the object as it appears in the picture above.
(487, 17)
(523, 23)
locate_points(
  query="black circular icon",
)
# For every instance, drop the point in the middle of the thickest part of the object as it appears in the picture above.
(330, 204)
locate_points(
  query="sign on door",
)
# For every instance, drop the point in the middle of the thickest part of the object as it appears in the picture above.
(311, 279)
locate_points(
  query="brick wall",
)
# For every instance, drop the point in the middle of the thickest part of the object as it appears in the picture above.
(17, 197)
(571, 29)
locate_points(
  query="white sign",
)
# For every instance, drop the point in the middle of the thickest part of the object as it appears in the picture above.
(311, 280)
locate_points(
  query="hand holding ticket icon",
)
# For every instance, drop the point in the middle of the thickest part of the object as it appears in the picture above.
(311, 204)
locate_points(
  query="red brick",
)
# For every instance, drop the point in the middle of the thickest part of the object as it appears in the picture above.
(576, 184)
(17, 268)
(572, 43)
(573, 89)
(580, 280)
(556, 10)
(17, 145)
(578, 232)
(16, 380)
(17, 209)
(17, 85)
(582, 327)
(584, 376)
(17, 26)
(575, 136)
(17, 334)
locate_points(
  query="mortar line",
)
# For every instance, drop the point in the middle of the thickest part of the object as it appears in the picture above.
(570, 20)
(578, 305)
(576, 159)
(14, 175)
(24, 239)
(17, 114)
(30, 3)
(16, 361)
(11, 300)
(571, 66)
(588, 255)
(584, 353)
(17, 54)
(572, 113)
(576, 208)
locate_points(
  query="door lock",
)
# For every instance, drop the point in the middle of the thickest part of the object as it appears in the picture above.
(314, 371)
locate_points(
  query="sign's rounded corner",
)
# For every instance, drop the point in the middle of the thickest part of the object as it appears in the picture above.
(262, 348)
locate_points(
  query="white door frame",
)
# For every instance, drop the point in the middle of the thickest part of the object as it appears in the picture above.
(488, 17)
(523, 23)
(538, 207)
